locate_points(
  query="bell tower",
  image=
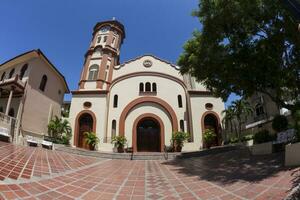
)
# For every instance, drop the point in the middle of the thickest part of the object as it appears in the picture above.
(102, 55)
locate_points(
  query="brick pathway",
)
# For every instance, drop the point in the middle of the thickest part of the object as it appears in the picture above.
(232, 176)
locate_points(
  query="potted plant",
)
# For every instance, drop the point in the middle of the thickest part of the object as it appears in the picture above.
(262, 143)
(119, 142)
(91, 139)
(178, 140)
(209, 137)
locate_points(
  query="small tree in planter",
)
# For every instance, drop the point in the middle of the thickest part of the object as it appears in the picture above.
(209, 137)
(91, 139)
(280, 123)
(119, 142)
(178, 140)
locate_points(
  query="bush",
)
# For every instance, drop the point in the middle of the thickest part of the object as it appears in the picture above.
(179, 138)
(280, 123)
(247, 138)
(233, 140)
(209, 136)
(262, 137)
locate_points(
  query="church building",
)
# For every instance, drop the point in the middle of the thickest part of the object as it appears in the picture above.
(145, 99)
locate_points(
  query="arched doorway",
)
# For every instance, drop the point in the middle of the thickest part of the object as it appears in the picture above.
(148, 135)
(86, 124)
(210, 121)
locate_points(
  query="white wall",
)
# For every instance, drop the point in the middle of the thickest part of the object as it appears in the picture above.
(98, 108)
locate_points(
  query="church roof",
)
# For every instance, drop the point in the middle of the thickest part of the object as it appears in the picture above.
(32, 54)
(157, 58)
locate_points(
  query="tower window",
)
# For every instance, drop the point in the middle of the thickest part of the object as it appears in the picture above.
(43, 83)
(181, 125)
(148, 87)
(179, 101)
(93, 72)
(153, 87)
(113, 40)
(23, 71)
(105, 38)
(3, 76)
(115, 101)
(105, 78)
(99, 39)
(113, 128)
(141, 87)
(11, 73)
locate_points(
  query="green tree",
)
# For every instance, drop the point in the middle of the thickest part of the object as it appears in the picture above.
(228, 118)
(241, 109)
(60, 130)
(246, 46)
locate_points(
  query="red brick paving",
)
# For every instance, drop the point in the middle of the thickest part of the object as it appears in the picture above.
(123, 179)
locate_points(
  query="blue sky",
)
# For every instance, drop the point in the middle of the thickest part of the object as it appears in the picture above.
(62, 29)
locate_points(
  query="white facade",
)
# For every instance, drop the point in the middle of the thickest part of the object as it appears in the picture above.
(159, 104)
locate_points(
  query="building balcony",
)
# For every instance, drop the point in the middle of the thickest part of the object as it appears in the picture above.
(12, 84)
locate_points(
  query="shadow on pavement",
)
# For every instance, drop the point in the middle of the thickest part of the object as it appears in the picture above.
(230, 167)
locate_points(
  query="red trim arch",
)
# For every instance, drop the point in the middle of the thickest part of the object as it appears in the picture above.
(140, 100)
(134, 130)
(76, 131)
(219, 124)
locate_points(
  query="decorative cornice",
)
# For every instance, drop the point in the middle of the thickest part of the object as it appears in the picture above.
(78, 92)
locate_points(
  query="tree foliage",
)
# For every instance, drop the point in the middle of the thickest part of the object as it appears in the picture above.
(60, 130)
(245, 46)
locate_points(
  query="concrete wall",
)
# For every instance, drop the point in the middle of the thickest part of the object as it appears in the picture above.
(41, 106)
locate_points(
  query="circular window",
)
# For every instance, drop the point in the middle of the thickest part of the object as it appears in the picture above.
(209, 106)
(87, 104)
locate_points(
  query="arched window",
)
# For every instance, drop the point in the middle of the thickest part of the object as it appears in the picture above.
(43, 83)
(105, 38)
(148, 87)
(11, 73)
(93, 72)
(113, 40)
(153, 87)
(99, 39)
(113, 128)
(141, 87)
(179, 101)
(23, 70)
(115, 101)
(259, 110)
(181, 125)
(3, 76)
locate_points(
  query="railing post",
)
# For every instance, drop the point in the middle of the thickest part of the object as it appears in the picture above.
(9, 101)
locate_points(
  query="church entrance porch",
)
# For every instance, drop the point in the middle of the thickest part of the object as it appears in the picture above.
(148, 135)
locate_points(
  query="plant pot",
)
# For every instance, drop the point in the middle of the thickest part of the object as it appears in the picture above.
(262, 149)
(292, 154)
(91, 147)
(120, 149)
(178, 148)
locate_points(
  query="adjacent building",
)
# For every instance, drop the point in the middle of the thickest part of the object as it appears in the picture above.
(31, 93)
(144, 99)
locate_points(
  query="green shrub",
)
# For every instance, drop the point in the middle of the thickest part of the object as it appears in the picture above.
(262, 137)
(280, 123)
(179, 138)
(119, 141)
(209, 137)
(247, 138)
(233, 140)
